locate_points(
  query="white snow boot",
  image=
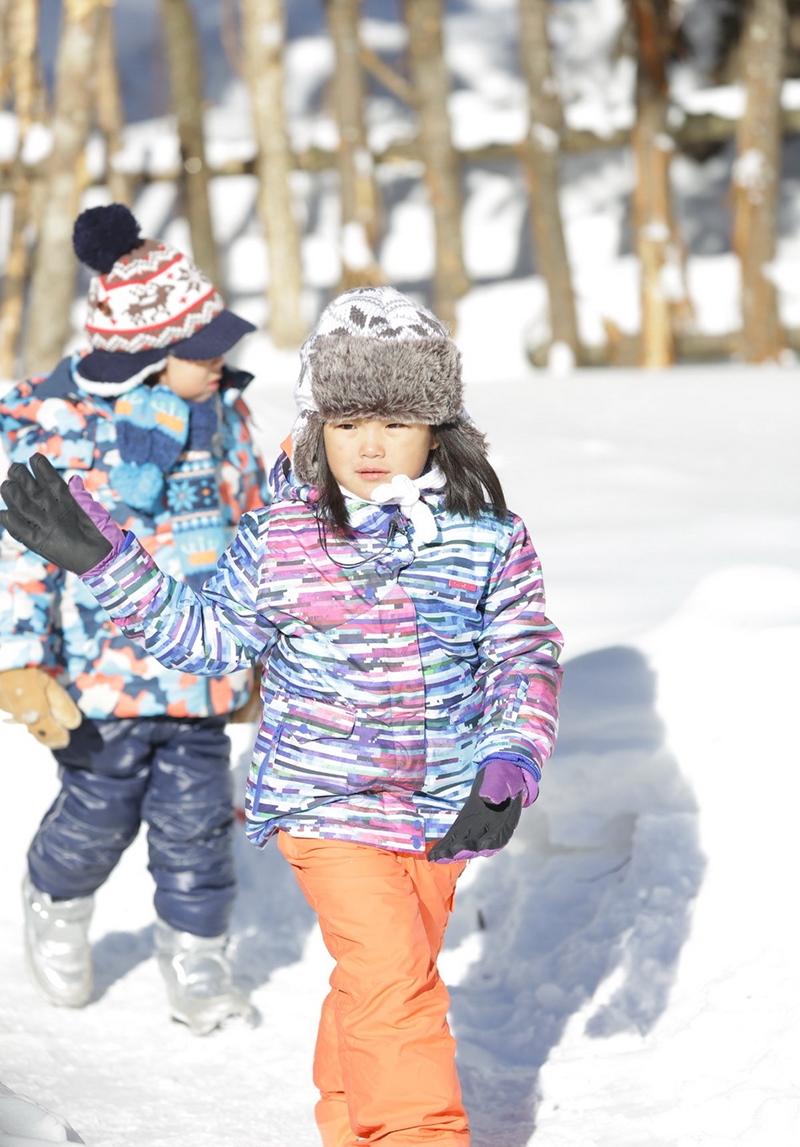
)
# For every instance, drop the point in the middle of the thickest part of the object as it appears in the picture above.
(57, 948)
(199, 982)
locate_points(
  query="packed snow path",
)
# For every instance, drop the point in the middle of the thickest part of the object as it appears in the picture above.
(626, 974)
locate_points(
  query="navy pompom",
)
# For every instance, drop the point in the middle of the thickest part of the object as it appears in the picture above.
(101, 235)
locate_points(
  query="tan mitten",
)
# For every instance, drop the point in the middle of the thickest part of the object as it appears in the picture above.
(35, 699)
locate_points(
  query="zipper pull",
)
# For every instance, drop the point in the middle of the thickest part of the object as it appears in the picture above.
(397, 525)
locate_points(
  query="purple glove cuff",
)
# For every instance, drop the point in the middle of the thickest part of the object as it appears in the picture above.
(100, 516)
(503, 780)
(532, 788)
(459, 856)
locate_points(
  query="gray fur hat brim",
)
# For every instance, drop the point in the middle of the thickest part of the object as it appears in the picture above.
(305, 439)
(416, 380)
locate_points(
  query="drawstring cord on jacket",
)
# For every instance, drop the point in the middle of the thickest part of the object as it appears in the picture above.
(406, 493)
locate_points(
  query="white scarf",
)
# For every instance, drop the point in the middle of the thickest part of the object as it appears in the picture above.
(405, 492)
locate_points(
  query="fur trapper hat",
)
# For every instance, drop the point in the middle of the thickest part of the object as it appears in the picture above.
(374, 353)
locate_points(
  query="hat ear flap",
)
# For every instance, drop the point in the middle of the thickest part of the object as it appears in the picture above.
(473, 439)
(305, 444)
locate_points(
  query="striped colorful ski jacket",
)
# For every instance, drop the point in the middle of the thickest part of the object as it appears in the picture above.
(47, 617)
(389, 676)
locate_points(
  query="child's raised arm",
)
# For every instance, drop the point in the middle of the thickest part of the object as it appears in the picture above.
(212, 632)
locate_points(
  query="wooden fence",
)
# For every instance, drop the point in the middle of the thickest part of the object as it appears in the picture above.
(40, 270)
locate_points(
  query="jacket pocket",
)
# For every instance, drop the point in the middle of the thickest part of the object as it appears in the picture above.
(305, 719)
(314, 744)
(515, 702)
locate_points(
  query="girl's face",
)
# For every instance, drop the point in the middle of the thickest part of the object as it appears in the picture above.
(368, 451)
(192, 379)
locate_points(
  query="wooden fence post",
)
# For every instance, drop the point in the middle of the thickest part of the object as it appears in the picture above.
(185, 71)
(652, 149)
(756, 175)
(55, 267)
(263, 35)
(6, 52)
(358, 192)
(432, 87)
(541, 161)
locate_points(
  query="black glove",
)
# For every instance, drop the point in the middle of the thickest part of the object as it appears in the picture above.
(480, 829)
(44, 517)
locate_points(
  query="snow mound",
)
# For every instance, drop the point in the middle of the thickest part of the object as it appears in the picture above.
(23, 1123)
(747, 597)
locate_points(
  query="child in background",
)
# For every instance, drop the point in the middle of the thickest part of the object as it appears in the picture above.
(410, 683)
(155, 424)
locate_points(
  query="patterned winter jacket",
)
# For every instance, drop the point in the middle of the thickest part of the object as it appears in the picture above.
(390, 675)
(48, 617)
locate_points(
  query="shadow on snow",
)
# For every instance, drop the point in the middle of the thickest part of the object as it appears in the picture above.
(596, 889)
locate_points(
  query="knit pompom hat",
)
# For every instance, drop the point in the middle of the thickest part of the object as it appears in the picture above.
(146, 301)
(375, 353)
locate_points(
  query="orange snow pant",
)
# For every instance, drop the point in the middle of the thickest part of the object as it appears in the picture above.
(385, 1059)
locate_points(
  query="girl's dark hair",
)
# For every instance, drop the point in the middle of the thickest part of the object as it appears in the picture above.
(472, 486)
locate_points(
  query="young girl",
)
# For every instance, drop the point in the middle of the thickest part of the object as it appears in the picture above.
(410, 682)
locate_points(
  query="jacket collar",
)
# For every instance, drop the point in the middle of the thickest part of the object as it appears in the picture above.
(59, 383)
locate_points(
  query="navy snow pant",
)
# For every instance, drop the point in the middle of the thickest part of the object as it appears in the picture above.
(174, 774)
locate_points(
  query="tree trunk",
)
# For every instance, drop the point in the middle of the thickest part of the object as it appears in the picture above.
(359, 198)
(230, 34)
(263, 32)
(652, 149)
(432, 87)
(20, 33)
(15, 280)
(53, 282)
(540, 152)
(186, 83)
(110, 113)
(5, 53)
(756, 175)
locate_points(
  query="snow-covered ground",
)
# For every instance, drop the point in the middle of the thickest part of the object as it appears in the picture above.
(627, 973)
